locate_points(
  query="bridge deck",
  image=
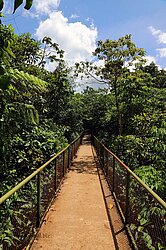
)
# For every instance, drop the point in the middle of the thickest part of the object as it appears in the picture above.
(78, 218)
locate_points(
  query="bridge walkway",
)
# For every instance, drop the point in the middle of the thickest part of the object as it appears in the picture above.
(83, 215)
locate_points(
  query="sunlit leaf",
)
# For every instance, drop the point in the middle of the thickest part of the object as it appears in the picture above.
(111, 206)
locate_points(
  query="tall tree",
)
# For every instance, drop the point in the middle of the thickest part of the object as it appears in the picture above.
(116, 57)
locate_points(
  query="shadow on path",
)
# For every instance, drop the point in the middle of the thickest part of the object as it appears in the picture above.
(118, 231)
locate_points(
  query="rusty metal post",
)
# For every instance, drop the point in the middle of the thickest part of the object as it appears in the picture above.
(113, 174)
(38, 199)
(103, 160)
(68, 164)
(55, 175)
(127, 198)
(106, 164)
(63, 166)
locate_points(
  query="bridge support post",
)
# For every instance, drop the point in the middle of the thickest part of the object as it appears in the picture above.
(113, 174)
(38, 199)
(102, 157)
(107, 164)
(68, 164)
(99, 149)
(127, 198)
(63, 171)
(74, 149)
(55, 175)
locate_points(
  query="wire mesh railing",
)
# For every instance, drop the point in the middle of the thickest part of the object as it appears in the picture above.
(23, 208)
(143, 212)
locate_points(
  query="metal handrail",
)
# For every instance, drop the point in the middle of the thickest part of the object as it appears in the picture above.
(141, 183)
(142, 210)
(33, 209)
(26, 180)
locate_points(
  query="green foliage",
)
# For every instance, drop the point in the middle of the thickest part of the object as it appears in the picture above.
(26, 51)
(117, 56)
(18, 228)
(32, 148)
(6, 39)
(1, 4)
(98, 103)
(47, 53)
(34, 83)
(40, 113)
(20, 113)
(28, 4)
(149, 222)
(17, 3)
(152, 177)
(35, 121)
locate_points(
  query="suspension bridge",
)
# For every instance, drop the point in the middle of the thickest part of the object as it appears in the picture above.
(84, 197)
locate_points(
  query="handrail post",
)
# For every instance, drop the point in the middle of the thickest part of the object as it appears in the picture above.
(73, 150)
(68, 164)
(103, 160)
(106, 164)
(127, 198)
(38, 199)
(63, 164)
(102, 156)
(99, 149)
(113, 174)
(55, 175)
(75, 146)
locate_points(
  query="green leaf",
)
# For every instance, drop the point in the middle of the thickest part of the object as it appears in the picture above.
(4, 81)
(28, 4)
(143, 221)
(17, 3)
(1, 4)
(8, 50)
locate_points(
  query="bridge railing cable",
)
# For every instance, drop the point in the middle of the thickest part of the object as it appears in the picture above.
(143, 212)
(22, 209)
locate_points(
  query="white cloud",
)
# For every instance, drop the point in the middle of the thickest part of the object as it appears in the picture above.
(45, 6)
(31, 14)
(150, 59)
(154, 31)
(76, 39)
(74, 16)
(159, 34)
(161, 38)
(162, 52)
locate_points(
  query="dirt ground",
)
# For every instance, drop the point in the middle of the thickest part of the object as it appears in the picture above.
(78, 218)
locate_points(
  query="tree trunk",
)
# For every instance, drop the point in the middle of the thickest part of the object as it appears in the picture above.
(120, 125)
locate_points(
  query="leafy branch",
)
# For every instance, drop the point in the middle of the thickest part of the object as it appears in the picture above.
(17, 3)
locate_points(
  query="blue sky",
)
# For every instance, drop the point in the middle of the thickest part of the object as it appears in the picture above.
(77, 24)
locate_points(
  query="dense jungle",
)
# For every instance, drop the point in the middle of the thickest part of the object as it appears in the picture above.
(41, 111)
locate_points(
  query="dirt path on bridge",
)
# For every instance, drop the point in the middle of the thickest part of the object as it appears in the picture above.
(78, 218)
